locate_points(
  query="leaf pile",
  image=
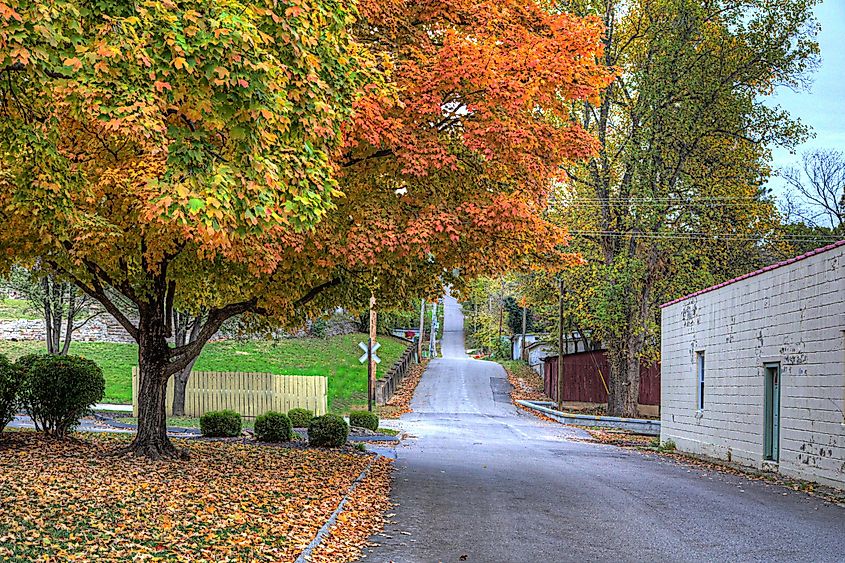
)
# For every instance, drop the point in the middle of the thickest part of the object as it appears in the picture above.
(621, 438)
(400, 403)
(72, 501)
(362, 517)
(526, 385)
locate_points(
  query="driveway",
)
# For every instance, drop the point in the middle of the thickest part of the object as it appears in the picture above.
(483, 481)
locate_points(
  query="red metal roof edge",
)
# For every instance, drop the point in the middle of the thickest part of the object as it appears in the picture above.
(836, 244)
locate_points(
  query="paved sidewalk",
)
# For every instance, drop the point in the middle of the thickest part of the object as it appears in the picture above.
(112, 407)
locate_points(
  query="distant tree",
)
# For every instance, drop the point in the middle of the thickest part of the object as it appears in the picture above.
(819, 184)
(797, 237)
(63, 306)
(674, 201)
(514, 312)
(186, 331)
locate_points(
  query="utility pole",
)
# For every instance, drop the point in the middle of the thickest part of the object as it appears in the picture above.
(422, 330)
(522, 354)
(561, 341)
(432, 342)
(501, 317)
(371, 362)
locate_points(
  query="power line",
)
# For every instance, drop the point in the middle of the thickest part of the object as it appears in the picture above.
(668, 204)
(667, 198)
(709, 236)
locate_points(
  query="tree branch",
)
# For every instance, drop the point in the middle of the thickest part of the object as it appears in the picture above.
(97, 292)
(181, 356)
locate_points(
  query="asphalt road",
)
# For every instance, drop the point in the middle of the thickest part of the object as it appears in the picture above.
(482, 481)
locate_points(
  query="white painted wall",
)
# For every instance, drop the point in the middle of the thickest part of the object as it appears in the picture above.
(793, 314)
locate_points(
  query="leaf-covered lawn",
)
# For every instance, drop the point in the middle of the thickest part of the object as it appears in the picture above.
(71, 501)
(335, 357)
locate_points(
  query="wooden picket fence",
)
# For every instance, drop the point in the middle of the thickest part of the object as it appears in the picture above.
(250, 394)
(387, 385)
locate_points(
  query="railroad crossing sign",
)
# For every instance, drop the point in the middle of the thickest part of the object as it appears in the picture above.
(363, 359)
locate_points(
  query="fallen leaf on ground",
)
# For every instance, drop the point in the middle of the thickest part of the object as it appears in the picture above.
(400, 403)
(74, 500)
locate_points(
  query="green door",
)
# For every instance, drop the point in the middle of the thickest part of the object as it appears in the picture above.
(771, 405)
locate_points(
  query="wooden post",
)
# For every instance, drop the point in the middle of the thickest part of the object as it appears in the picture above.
(561, 347)
(422, 330)
(371, 363)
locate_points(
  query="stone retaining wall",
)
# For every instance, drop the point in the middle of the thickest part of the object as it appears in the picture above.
(105, 328)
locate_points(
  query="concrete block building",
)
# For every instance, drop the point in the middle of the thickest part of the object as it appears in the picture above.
(753, 369)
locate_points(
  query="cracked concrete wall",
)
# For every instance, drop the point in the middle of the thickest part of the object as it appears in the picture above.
(794, 315)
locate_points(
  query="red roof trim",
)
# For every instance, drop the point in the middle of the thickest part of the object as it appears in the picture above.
(757, 272)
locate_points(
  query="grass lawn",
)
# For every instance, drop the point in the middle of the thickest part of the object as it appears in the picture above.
(13, 309)
(335, 357)
(73, 501)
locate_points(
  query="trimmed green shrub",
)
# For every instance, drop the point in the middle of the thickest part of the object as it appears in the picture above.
(273, 426)
(59, 390)
(364, 419)
(11, 378)
(300, 418)
(221, 424)
(328, 431)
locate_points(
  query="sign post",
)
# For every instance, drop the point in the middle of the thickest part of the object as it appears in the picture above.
(371, 371)
(371, 359)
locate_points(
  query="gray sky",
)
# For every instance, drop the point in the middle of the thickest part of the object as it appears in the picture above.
(823, 107)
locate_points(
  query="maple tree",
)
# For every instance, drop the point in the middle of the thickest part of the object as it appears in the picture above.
(63, 306)
(446, 169)
(181, 155)
(160, 151)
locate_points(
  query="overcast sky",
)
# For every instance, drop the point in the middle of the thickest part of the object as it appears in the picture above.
(823, 107)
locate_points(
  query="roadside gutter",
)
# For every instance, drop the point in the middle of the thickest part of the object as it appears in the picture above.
(637, 425)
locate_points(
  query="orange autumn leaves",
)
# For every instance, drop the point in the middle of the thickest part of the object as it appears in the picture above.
(449, 164)
(71, 501)
(269, 149)
(495, 78)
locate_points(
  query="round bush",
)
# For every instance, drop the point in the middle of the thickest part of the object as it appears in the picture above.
(364, 419)
(221, 424)
(10, 383)
(329, 431)
(59, 390)
(273, 427)
(300, 418)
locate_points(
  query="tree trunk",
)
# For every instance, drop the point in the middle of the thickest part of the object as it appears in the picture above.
(48, 314)
(617, 359)
(71, 314)
(182, 322)
(180, 384)
(624, 381)
(151, 441)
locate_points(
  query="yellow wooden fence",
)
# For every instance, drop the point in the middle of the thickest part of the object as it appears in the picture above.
(250, 394)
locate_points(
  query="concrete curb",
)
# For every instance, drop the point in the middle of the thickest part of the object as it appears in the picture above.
(324, 530)
(134, 427)
(636, 425)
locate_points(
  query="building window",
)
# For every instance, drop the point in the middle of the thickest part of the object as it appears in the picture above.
(699, 374)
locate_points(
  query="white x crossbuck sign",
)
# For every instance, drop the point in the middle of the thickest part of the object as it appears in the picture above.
(363, 359)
